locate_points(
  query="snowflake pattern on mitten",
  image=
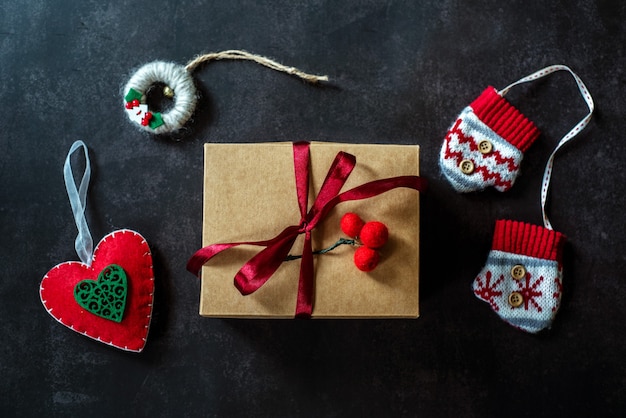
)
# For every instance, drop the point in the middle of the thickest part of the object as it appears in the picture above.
(485, 145)
(522, 278)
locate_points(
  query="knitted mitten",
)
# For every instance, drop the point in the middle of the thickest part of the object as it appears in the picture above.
(485, 146)
(522, 279)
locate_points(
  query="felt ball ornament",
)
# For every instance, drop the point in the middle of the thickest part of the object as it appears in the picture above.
(374, 234)
(366, 259)
(351, 224)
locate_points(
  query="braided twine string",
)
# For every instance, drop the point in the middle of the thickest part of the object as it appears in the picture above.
(234, 54)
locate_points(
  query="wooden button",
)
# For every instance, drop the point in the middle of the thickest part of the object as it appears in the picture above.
(467, 167)
(516, 299)
(518, 272)
(485, 147)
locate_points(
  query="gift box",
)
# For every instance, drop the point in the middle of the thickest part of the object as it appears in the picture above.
(253, 206)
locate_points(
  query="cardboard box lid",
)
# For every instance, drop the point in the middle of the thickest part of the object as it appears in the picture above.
(249, 194)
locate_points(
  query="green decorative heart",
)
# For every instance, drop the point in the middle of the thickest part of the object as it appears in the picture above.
(105, 297)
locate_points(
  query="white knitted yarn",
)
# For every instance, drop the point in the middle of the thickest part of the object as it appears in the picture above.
(179, 80)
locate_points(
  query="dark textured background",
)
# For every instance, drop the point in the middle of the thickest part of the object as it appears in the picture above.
(400, 73)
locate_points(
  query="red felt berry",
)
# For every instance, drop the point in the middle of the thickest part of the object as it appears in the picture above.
(135, 102)
(366, 259)
(351, 224)
(148, 116)
(144, 122)
(129, 105)
(374, 234)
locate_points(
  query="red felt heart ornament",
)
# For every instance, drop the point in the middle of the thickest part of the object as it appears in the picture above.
(130, 251)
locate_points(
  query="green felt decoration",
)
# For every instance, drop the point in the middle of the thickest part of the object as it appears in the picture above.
(156, 121)
(132, 95)
(105, 297)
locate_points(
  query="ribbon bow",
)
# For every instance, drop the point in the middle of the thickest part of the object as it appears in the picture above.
(262, 266)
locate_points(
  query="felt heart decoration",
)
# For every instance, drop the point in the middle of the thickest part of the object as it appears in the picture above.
(105, 297)
(122, 253)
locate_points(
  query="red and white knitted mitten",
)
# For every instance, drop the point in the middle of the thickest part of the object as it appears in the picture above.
(522, 278)
(485, 145)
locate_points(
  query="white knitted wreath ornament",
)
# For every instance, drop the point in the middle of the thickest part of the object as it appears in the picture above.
(178, 84)
(179, 87)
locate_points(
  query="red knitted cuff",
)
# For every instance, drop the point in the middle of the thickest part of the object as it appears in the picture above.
(529, 240)
(504, 119)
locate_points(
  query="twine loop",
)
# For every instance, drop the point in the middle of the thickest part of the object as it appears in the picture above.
(235, 54)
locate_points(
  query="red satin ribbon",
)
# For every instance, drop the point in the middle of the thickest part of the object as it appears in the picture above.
(262, 266)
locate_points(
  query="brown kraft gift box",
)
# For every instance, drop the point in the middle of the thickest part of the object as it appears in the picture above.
(250, 195)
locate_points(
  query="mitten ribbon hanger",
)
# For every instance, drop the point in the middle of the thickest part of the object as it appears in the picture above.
(486, 144)
(522, 279)
(108, 295)
(177, 85)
